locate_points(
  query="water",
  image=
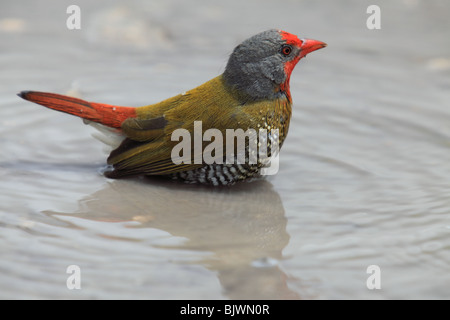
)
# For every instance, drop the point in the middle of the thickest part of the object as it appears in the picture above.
(363, 180)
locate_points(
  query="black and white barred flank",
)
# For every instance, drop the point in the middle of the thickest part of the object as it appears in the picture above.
(217, 174)
(220, 174)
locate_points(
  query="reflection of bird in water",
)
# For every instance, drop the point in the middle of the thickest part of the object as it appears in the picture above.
(244, 227)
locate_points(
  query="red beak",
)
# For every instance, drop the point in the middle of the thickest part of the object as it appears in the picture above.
(310, 45)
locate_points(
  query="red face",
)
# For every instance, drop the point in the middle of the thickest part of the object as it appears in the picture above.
(304, 46)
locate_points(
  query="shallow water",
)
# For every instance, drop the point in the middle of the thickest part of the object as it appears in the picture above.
(364, 175)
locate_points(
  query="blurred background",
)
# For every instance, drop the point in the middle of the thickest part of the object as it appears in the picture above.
(364, 172)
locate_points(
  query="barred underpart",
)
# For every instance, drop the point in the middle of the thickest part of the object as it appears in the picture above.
(219, 174)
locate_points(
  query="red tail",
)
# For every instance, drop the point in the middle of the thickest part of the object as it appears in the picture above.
(111, 116)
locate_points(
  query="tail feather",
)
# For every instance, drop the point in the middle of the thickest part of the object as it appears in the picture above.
(108, 115)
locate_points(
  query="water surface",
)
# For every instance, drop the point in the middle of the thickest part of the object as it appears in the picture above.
(364, 176)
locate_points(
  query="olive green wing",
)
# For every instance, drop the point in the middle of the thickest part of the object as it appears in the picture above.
(148, 146)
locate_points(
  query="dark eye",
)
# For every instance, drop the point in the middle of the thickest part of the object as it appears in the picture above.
(286, 50)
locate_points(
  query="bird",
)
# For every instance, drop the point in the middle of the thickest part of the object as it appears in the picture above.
(253, 92)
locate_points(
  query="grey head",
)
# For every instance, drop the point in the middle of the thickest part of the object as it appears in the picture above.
(257, 67)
